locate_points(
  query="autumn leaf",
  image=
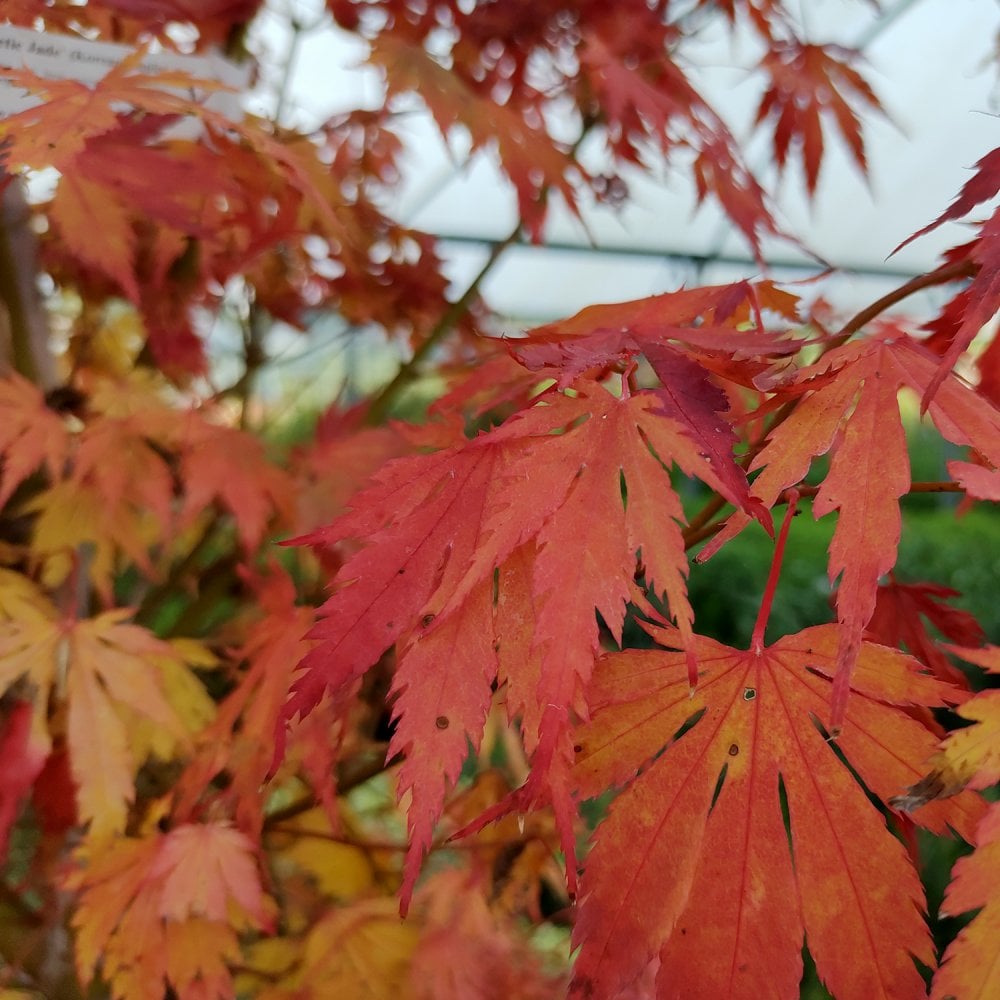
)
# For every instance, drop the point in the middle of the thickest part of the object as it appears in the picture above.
(973, 306)
(371, 958)
(465, 949)
(438, 526)
(901, 611)
(81, 208)
(310, 841)
(24, 747)
(119, 181)
(228, 466)
(807, 83)
(165, 910)
(54, 132)
(850, 397)
(970, 968)
(72, 518)
(31, 434)
(695, 861)
(162, 11)
(94, 665)
(983, 185)
(969, 758)
(528, 155)
(271, 649)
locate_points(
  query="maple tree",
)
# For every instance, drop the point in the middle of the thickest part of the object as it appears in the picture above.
(420, 707)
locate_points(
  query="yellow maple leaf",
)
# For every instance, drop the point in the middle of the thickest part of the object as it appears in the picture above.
(341, 870)
(970, 757)
(74, 517)
(95, 665)
(363, 950)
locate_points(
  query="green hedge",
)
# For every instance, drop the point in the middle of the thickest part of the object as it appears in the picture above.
(962, 552)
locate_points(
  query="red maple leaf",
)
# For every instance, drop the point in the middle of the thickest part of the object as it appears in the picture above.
(807, 82)
(973, 306)
(437, 527)
(852, 401)
(901, 610)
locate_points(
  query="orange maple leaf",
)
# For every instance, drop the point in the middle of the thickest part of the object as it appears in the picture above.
(94, 665)
(233, 742)
(528, 155)
(228, 466)
(31, 434)
(165, 911)
(694, 861)
(54, 132)
(439, 525)
(970, 968)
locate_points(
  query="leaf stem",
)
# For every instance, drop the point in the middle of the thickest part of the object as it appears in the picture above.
(757, 640)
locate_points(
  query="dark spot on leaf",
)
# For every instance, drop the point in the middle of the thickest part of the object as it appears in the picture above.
(749, 694)
(400, 571)
(734, 750)
(389, 624)
(442, 722)
(578, 748)
(426, 620)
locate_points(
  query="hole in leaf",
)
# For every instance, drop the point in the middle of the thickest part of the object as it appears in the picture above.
(786, 817)
(718, 787)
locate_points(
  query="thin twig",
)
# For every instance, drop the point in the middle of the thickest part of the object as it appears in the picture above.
(942, 276)
(706, 531)
(382, 404)
(166, 591)
(390, 845)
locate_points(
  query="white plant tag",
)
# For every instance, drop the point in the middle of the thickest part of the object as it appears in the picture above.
(61, 57)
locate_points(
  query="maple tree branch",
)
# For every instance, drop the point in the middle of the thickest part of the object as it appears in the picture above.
(929, 486)
(162, 593)
(699, 528)
(24, 326)
(254, 358)
(382, 404)
(350, 774)
(706, 530)
(941, 276)
(711, 508)
(291, 57)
